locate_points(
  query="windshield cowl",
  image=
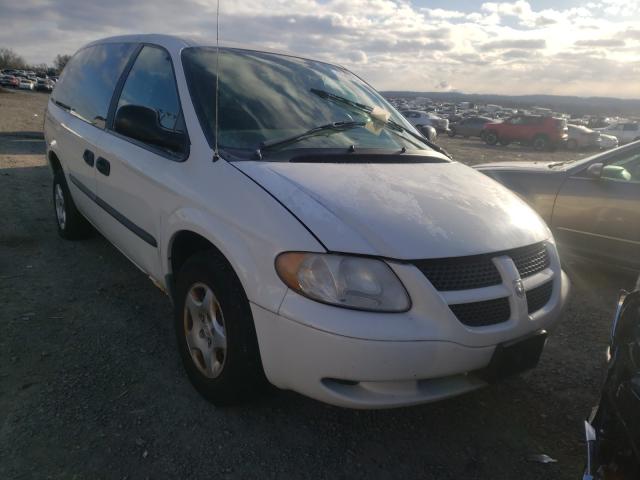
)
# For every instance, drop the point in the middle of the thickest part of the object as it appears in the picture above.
(338, 155)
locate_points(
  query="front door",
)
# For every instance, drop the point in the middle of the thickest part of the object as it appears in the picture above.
(143, 147)
(601, 216)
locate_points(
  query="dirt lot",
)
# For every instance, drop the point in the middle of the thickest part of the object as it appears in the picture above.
(91, 385)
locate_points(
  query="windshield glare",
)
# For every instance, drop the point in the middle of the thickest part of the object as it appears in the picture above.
(265, 97)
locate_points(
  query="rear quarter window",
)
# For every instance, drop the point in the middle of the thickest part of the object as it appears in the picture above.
(89, 79)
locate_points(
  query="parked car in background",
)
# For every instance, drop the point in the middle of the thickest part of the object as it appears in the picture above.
(469, 127)
(613, 430)
(608, 141)
(444, 281)
(541, 132)
(624, 132)
(25, 84)
(592, 205)
(582, 137)
(44, 85)
(417, 118)
(9, 81)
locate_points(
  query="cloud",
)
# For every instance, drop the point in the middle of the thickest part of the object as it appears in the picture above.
(394, 44)
(600, 42)
(443, 14)
(528, 44)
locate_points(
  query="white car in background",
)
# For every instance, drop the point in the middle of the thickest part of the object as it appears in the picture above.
(25, 84)
(418, 118)
(312, 237)
(608, 141)
(624, 132)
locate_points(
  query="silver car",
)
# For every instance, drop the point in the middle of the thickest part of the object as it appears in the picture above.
(592, 205)
(582, 137)
(419, 118)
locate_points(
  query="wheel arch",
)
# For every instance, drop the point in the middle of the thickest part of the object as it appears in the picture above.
(189, 231)
(54, 162)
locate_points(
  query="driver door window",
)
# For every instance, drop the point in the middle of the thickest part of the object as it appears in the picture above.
(148, 109)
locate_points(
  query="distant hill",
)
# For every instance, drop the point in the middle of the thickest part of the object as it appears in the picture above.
(566, 104)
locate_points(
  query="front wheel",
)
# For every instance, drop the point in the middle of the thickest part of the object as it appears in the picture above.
(71, 224)
(215, 331)
(452, 132)
(491, 138)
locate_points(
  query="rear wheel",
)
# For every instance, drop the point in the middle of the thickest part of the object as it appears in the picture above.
(71, 224)
(215, 331)
(504, 143)
(540, 143)
(491, 138)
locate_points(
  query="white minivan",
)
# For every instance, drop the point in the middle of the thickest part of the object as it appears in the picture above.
(306, 233)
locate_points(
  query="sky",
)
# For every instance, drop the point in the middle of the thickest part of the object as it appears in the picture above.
(561, 47)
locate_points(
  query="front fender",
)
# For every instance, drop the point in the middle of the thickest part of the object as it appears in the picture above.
(250, 250)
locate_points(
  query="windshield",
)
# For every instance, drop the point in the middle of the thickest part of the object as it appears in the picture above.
(266, 97)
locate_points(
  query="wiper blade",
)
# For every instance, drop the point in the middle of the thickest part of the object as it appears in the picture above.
(329, 127)
(392, 125)
(557, 164)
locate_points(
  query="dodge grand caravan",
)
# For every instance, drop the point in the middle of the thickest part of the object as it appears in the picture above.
(305, 232)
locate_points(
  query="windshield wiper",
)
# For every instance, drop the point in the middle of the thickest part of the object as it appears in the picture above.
(392, 125)
(329, 127)
(557, 164)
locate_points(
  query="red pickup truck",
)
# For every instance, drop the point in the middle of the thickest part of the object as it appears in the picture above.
(541, 132)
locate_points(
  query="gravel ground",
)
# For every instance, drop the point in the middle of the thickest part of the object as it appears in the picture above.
(91, 384)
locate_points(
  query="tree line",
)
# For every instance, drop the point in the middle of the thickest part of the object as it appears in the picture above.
(11, 59)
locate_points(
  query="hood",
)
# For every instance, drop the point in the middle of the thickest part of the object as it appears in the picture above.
(538, 166)
(402, 211)
(605, 136)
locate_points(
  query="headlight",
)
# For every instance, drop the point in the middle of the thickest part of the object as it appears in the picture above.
(350, 282)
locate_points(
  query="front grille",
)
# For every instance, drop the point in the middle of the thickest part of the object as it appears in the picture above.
(481, 314)
(538, 297)
(531, 259)
(477, 271)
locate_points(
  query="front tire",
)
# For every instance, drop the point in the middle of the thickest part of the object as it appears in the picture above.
(452, 132)
(490, 138)
(71, 224)
(215, 331)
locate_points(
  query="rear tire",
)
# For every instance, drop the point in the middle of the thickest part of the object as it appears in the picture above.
(504, 143)
(71, 224)
(540, 143)
(490, 138)
(215, 331)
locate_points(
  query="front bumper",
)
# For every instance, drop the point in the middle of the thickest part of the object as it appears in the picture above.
(371, 360)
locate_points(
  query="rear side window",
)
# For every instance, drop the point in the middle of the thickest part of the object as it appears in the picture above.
(87, 82)
(148, 109)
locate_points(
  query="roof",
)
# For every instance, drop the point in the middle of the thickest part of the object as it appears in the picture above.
(176, 42)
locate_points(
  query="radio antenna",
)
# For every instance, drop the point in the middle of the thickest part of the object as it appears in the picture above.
(216, 156)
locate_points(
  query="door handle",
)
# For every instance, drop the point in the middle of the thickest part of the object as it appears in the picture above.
(88, 157)
(103, 166)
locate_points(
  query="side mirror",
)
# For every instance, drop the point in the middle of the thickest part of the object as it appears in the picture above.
(143, 124)
(595, 170)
